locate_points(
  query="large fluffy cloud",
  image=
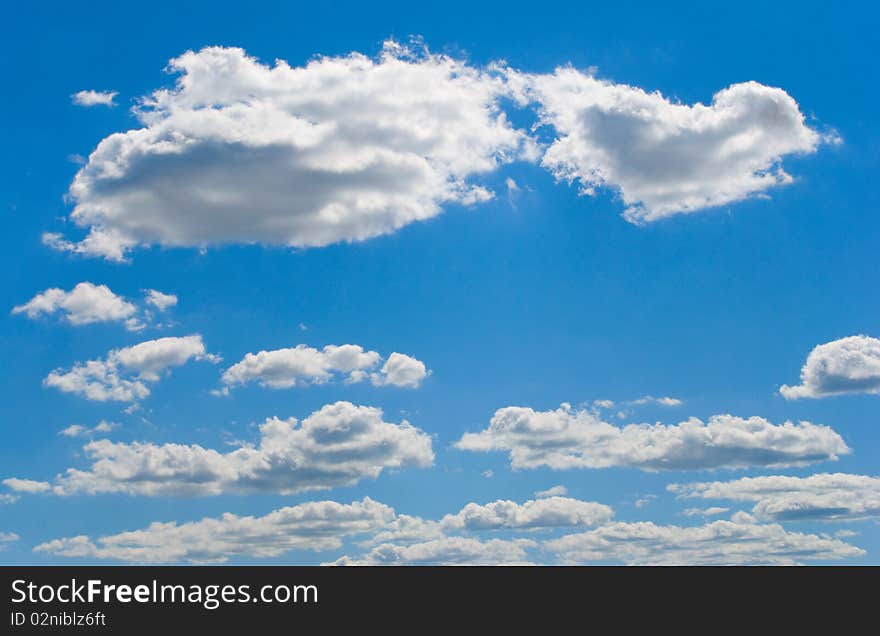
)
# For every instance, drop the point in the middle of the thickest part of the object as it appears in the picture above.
(848, 365)
(123, 374)
(341, 149)
(740, 541)
(567, 438)
(822, 496)
(351, 147)
(338, 445)
(664, 157)
(302, 365)
(315, 526)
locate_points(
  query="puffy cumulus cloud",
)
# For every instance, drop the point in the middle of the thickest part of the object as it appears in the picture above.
(446, 551)
(316, 526)
(848, 365)
(94, 98)
(86, 303)
(663, 157)
(303, 365)
(78, 430)
(740, 541)
(340, 149)
(338, 445)
(123, 375)
(548, 512)
(824, 496)
(160, 300)
(401, 370)
(28, 486)
(566, 438)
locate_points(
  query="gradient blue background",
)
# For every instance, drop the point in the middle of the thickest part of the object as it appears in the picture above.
(533, 300)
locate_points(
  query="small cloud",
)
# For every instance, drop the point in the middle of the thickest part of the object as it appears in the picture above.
(641, 502)
(704, 512)
(78, 430)
(555, 491)
(488, 474)
(159, 300)
(94, 98)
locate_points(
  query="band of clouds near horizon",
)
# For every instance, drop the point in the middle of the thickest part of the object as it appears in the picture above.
(390, 538)
(383, 142)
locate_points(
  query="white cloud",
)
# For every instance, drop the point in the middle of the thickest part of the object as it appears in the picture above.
(712, 511)
(28, 486)
(663, 157)
(317, 526)
(401, 370)
(739, 541)
(446, 551)
(827, 496)
(7, 538)
(553, 491)
(566, 438)
(341, 149)
(6, 498)
(86, 303)
(338, 445)
(662, 401)
(123, 375)
(547, 512)
(78, 430)
(303, 365)
(94, 98)
(160, 300)
(848, 365)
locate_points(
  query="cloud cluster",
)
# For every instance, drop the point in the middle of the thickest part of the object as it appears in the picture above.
(88, 303)
(316, 526)
(740, 541)
(94, 98)
(460, 539)
(663, 157)
(848, 365)
(351, 147)
(303, 365)
(566, 438)
(338, 445)
(825, 496)
(123, 375)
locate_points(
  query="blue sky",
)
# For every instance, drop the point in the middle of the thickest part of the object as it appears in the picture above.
(535, 298)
